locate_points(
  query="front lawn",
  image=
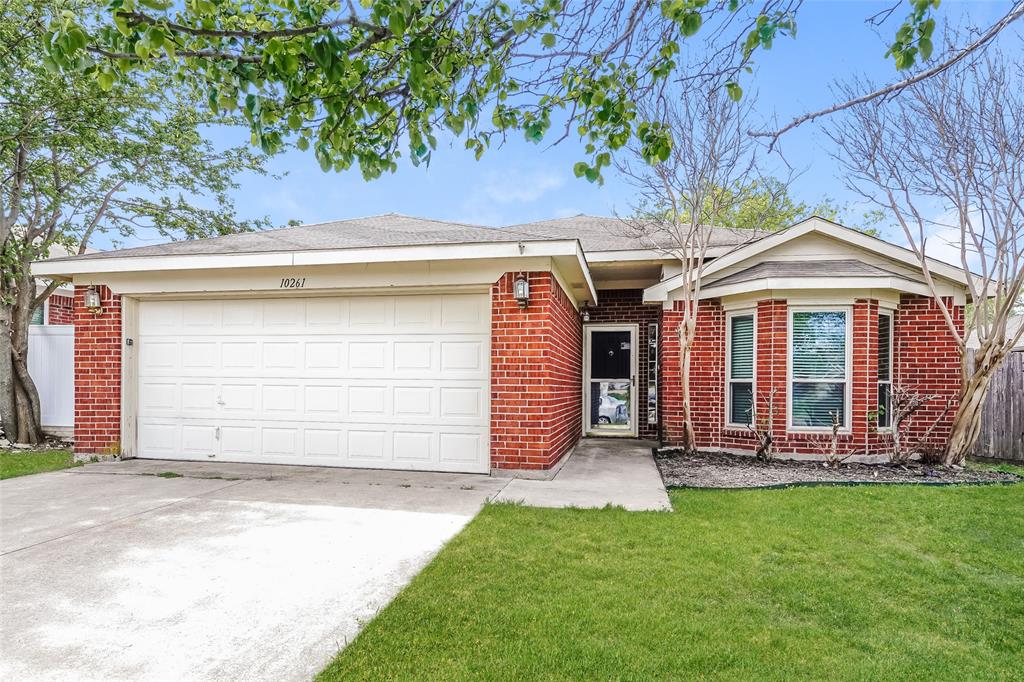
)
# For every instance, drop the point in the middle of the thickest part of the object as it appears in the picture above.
(22, 462)
(850, 583)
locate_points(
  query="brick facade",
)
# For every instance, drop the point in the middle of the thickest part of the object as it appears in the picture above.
(626, 306)
(61, 309)
(97, 374)
(925, 360)
(536, 374)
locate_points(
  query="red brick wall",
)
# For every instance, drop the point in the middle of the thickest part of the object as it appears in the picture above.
(97, 375)
(536, 374)
(925, 359)
(707, 374)
(61, 309)
(626, 306)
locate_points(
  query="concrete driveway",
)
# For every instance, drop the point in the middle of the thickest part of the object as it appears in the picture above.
(228, 572)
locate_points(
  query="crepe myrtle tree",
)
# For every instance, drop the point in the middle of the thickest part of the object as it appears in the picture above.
(77, 161)
(945, 159)
(680, 198)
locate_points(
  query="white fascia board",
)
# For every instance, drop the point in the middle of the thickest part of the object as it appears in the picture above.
(383, 254)
(581, 258)
(798, 283)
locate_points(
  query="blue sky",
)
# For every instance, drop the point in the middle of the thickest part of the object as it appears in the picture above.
(522, 182)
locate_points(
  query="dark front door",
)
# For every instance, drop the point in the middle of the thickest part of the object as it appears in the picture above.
(609, 392)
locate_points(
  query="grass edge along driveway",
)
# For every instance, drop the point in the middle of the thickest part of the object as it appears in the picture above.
(24, 462)
(894, 582)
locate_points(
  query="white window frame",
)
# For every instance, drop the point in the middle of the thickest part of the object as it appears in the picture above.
(751, 312)
(45, 306)
(892, 369)
(847, 379)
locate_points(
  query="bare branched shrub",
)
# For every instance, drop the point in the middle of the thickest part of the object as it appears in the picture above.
(761, 425)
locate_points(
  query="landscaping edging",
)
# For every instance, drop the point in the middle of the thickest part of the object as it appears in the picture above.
(724, 471)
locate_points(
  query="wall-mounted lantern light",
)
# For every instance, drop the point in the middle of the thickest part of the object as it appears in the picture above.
(522, 291)
(92, 300)
(585, 312)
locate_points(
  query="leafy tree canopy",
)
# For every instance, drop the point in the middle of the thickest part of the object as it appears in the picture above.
(77, 160)
(768, 204)
(359, 82)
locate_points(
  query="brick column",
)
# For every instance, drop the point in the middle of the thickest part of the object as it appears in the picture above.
(864, 386)
(772, 354)
(707, 375)
(927, 361)
(97, 375)
(536, 374)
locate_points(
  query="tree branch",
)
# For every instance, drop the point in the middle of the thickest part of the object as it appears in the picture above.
(1016, 13)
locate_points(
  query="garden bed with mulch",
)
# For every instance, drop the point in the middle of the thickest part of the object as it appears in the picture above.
(723, 470)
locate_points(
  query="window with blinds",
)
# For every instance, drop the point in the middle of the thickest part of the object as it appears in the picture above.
(37, 316)
(740, 373)
(884, 370)
(819, 365)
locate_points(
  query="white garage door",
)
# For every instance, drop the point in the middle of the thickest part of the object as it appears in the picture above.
(395, 382)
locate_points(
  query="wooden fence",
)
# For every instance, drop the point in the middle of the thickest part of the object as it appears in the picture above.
(1002, 416)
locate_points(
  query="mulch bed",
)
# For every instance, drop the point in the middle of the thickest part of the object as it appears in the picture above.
(722, 470)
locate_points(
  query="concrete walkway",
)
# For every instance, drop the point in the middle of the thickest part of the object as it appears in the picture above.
(599, 472)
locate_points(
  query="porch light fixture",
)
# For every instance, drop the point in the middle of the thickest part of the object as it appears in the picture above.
(92, 300)
(522, 291)
(585, 312)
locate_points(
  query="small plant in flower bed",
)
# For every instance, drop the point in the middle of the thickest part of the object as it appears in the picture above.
(727, 470)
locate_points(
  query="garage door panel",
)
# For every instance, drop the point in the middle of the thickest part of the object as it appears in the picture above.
(393, 382)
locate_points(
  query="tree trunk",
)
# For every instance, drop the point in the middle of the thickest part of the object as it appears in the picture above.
(967, 420)
(26, 397)
(688, 442)
(8, 409)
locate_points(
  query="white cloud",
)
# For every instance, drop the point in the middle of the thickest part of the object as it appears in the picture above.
(517, 186)
(496, 191)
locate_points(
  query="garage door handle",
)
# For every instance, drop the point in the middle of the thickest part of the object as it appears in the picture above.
(216, 433)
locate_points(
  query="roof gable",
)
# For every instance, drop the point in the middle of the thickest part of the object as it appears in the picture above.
(853, 245)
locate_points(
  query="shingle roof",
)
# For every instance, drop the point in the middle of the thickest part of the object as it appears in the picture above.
(599, 233)
(390, 229)
(807, 268)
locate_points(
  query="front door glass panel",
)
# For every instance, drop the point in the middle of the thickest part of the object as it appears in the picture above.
(611, 386)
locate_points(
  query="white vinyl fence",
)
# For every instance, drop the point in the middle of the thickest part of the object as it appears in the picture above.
(51, 363)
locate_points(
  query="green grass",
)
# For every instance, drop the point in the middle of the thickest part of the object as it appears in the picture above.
(23, 462)
(812, 583)
(1005, 467)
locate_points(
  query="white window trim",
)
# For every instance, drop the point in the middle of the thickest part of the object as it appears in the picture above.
(752, 312)
(847, 380)
(45, 305)
(892, 369)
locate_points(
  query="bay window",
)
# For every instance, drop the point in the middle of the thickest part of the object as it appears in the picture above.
(819, 362)
(739, 355)
(884, 370)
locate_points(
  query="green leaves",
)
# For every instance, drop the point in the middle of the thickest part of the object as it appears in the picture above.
(734, 91)
(914, 36)
(352, 87)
